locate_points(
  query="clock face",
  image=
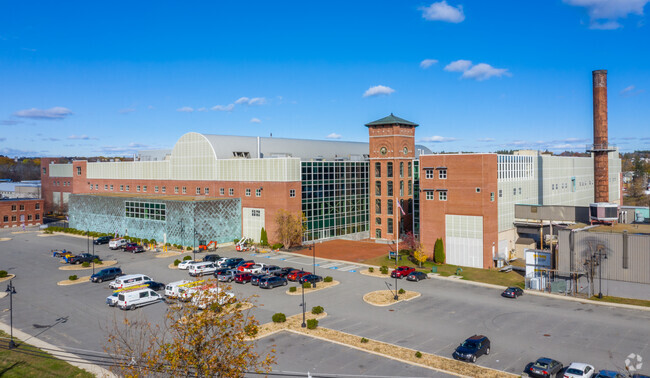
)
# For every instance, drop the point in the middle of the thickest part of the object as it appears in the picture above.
(383, 150)
(406, 150)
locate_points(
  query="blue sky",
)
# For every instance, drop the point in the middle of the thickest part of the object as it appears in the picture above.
(97, 78)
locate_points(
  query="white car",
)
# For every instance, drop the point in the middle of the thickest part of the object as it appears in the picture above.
(220, 262)
(199, 269)
(117, 243)
(257, 268)
(184, 265)
(111, 300)
(579, 370)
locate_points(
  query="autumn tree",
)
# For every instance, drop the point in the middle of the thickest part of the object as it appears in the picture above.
(213, 342)
(420, 254)
(289, 228)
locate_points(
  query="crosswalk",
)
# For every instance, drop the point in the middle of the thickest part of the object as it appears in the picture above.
(325, 264)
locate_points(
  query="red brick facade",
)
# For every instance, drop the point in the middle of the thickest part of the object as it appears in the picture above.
(468, 187)
(49, 185)
(19, 212)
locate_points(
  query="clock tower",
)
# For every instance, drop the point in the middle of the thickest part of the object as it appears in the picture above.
(392, 151)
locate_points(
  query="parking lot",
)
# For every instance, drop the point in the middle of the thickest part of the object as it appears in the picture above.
(521, 330)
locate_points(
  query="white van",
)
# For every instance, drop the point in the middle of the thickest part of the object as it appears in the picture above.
(171, 289)
(129, 300)
(116, 243)
(129, 280)
(201, 268)
(203, 297)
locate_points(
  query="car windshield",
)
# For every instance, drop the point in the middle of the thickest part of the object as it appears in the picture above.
(469, 344)
(540, 365)
(574, 371)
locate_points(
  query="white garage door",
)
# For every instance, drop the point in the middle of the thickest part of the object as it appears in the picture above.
(253, 220)
(464, 236)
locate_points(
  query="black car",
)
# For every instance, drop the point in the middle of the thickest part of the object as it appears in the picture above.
(155, 286)
(82, 258)
(232, 262)
(311, 278)
(512, 292)
(472, 348)
(416, 276)
(255, 278)
(211, 258)
(270, 282)
(106, 274)
(544, 367)
(284, 271)
(102, 240)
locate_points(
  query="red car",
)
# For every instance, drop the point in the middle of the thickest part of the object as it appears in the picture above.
(402, 271)
(295, 276)
(243, 277)
(133, 248)
(245, 267)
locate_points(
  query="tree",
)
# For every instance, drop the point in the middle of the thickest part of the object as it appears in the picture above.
(410, 241)
(420, 254)
(439, 252)
(213, 342)
(264, 238)
(289, 228)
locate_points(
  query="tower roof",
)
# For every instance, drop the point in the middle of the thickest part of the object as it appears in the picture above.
(392, 120)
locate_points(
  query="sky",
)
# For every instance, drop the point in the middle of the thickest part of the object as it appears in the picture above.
(86, 78)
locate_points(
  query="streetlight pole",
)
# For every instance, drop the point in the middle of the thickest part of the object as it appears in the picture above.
(600, 274)
(304, 324)
(93, 255)
(194, 245)
(396, 265)
(313, 249)
(88, 240)
(11, 289)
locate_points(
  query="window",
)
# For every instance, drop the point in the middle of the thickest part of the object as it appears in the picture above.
(401, 169)
(13, 218)
(185, 190)
(121, 188)
(164, 189)
(442, 174)
(128, 187)
(442, 196)
(409, 173)
(91, 186)
(144, 188)
(231, 191)
(519, 190)
(29, 217)
(428, 173)
(44, 171)
(176, 189)
(429, 195)
(13, 207)
(22, 207)
(222, 191)
(145, 210)
(38, 206)
(514, 191)
(198, 190)
(378, 221)
(389, 207)
(248, 192)
(137, 188)
(378, 233)
(401, 188)
(78, 171)
(478, 190)
(292, 193)
(389, 169)
(256, 213)
(258, 192)
(378, 188)
(6, 218)
(155, 189)
(500, 193)
(492, 196)
(377, 206)
(38, 216)
(389, 225)
(377, 170)
(410, 188)
(206, 191)
(111, 187)
(389, 189)
(106, 187)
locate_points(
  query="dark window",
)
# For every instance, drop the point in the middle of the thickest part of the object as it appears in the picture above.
(389, 225)
(78, 171)
(409, 169)
(389, 189)
(389, 169)
(378, 188)
(377, 169)
(401, 169)
(377, 206)
(389, 207)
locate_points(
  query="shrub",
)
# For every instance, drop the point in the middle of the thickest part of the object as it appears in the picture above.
(317, 310)
(439, 252)
(97, 261)
(251, 330)
(236, 241)
(312, 323)
(418, 354)
(279, 317)
(167, 245)
(292, 289)
(401, 291)
(187, 258)
(383, 269)
(364, 340)
(306, 285)
(73, 277)
(3, 273)
(264, 237)
(277, 246)
(176, 262)
(371, 269)
(85, 264)
(328, 279)
(188, 248)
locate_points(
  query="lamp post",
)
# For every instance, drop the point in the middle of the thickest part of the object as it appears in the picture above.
(93, 255)
(87, 240)
(600, 273)
(304, 324)
(11, 289)
(396, 297)
(313, 249)
(194, 245)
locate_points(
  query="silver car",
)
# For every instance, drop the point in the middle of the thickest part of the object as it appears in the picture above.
(226, 276)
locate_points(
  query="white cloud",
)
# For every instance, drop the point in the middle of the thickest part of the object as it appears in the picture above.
(631, 91)
(151, 107)
(80, 137)
(56, 112)
(458, 65)
(202, 109)
(224, 108)
(485, 139)
(442, 11)
(127, 110)
(334, 136)
(378, 90)
(428, 63)
(437, 139)
(256, 120)
(185, 109)
(251, 101)
(484, 71)
(10, 122)
(242, 100)
(603, 14)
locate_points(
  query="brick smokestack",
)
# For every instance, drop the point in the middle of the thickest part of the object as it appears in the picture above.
(601, 145)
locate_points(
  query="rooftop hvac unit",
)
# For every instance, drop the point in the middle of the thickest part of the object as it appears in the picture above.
(603, 212)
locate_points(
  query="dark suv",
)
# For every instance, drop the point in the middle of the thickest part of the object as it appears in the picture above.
(102, 240)
(82, 258)
(232, 262)
(211, 258)
(106, 274)
(472, 348)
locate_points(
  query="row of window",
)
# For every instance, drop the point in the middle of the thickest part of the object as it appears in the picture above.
(389, 226)
(406, 207)
(428, 173)
(5, 218)
(163, 189)
(37, 206)
(389, 169)
(58, 183)
(442, 195)
(389, 188)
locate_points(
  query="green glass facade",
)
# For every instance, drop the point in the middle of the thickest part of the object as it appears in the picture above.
(334, 198)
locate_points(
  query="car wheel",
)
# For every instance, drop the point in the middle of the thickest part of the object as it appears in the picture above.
(132, 307)
(99, 280)
(474, 358)
(487, 351)
(285, 283)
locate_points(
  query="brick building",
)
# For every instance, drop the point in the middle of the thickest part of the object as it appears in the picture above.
(21, 212)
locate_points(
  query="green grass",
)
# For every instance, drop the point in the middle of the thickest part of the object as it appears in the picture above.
(471, 274)
(17, 363)
(629, 301)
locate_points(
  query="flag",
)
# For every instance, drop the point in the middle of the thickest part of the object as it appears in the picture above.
(400, 208)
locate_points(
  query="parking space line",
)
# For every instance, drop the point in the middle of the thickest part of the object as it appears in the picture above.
(348, 268)
(332, 264)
